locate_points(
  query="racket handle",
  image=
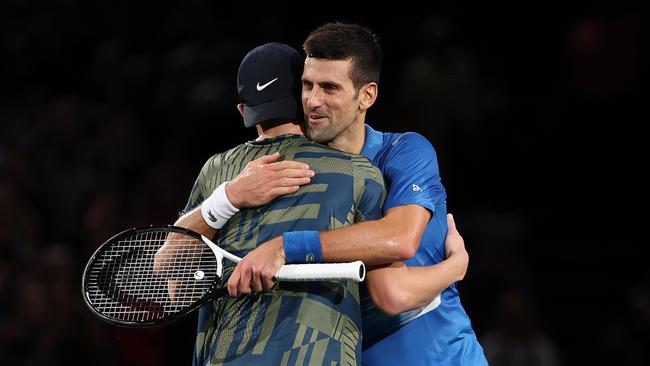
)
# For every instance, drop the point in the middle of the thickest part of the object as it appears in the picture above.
(355, 271)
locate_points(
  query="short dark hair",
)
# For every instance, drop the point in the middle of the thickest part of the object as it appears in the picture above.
(343, 41)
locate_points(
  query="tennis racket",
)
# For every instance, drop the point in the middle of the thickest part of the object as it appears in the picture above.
(150, 276)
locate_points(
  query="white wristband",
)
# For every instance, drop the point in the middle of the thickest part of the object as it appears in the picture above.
(217, 209)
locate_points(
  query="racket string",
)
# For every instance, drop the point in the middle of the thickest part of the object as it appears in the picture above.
(125, 286)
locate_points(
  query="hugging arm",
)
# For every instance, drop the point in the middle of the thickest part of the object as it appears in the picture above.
(396, 288)
(261, 181)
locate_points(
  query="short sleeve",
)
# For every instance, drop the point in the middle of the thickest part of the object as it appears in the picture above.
(411, 173)
(200, 189)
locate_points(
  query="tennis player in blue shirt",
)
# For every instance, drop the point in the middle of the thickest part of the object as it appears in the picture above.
(340, 83)
(443, 335)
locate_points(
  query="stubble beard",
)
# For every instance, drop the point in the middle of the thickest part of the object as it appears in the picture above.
(322, 135)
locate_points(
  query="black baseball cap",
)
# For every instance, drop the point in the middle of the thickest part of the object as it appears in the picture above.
(268, 82)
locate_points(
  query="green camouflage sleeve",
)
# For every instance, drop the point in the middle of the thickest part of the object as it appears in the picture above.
(370, 201)
(202, 187)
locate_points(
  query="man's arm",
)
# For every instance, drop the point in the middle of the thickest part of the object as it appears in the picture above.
(396, 288)
(393, 238)
(192, 220)
(265, 179)
(261, 181)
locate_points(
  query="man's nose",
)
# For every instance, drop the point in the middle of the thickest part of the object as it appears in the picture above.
(315, 98)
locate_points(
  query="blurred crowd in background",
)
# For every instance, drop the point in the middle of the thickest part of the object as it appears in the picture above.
(108, 111)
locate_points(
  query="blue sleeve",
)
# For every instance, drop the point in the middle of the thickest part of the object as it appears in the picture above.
(411, 173)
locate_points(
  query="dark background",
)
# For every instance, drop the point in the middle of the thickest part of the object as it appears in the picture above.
(108, 111)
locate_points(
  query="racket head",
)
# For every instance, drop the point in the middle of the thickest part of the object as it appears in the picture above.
(120, 286)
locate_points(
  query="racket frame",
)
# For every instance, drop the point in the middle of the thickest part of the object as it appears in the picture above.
(212, 291)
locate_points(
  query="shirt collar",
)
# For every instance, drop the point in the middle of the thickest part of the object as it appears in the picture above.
(272, 140)
(373, 143)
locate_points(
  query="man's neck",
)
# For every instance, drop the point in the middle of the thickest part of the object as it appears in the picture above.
(351, 140)
(283, 129)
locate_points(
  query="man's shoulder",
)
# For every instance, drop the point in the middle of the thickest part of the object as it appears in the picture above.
(387, 143)
(306, 147)
(310, 149)
(225, 156)
(401, 149)
(410, 140)
(233, 153)
(365, 168)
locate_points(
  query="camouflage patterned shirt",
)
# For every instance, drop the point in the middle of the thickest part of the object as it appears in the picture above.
(315, 323)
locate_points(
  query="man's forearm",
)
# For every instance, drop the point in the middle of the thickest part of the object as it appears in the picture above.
(393, 238)
(194, 221)
(397, 288)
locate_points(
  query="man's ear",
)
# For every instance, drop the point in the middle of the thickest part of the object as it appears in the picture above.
(368, 95)
(240, 108)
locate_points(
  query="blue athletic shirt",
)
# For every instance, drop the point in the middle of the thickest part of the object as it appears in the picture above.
(444, 335)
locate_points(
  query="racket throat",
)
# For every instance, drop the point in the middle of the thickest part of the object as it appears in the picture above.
(220, 254)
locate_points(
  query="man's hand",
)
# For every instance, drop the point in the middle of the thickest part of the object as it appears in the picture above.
(266, 178)
(257, 269)
(455, 249)
(172, 289)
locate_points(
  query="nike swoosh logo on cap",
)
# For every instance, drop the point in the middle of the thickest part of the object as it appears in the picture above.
(261, 87)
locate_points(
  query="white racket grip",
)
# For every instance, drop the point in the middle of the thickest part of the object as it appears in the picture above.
(355, 271)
